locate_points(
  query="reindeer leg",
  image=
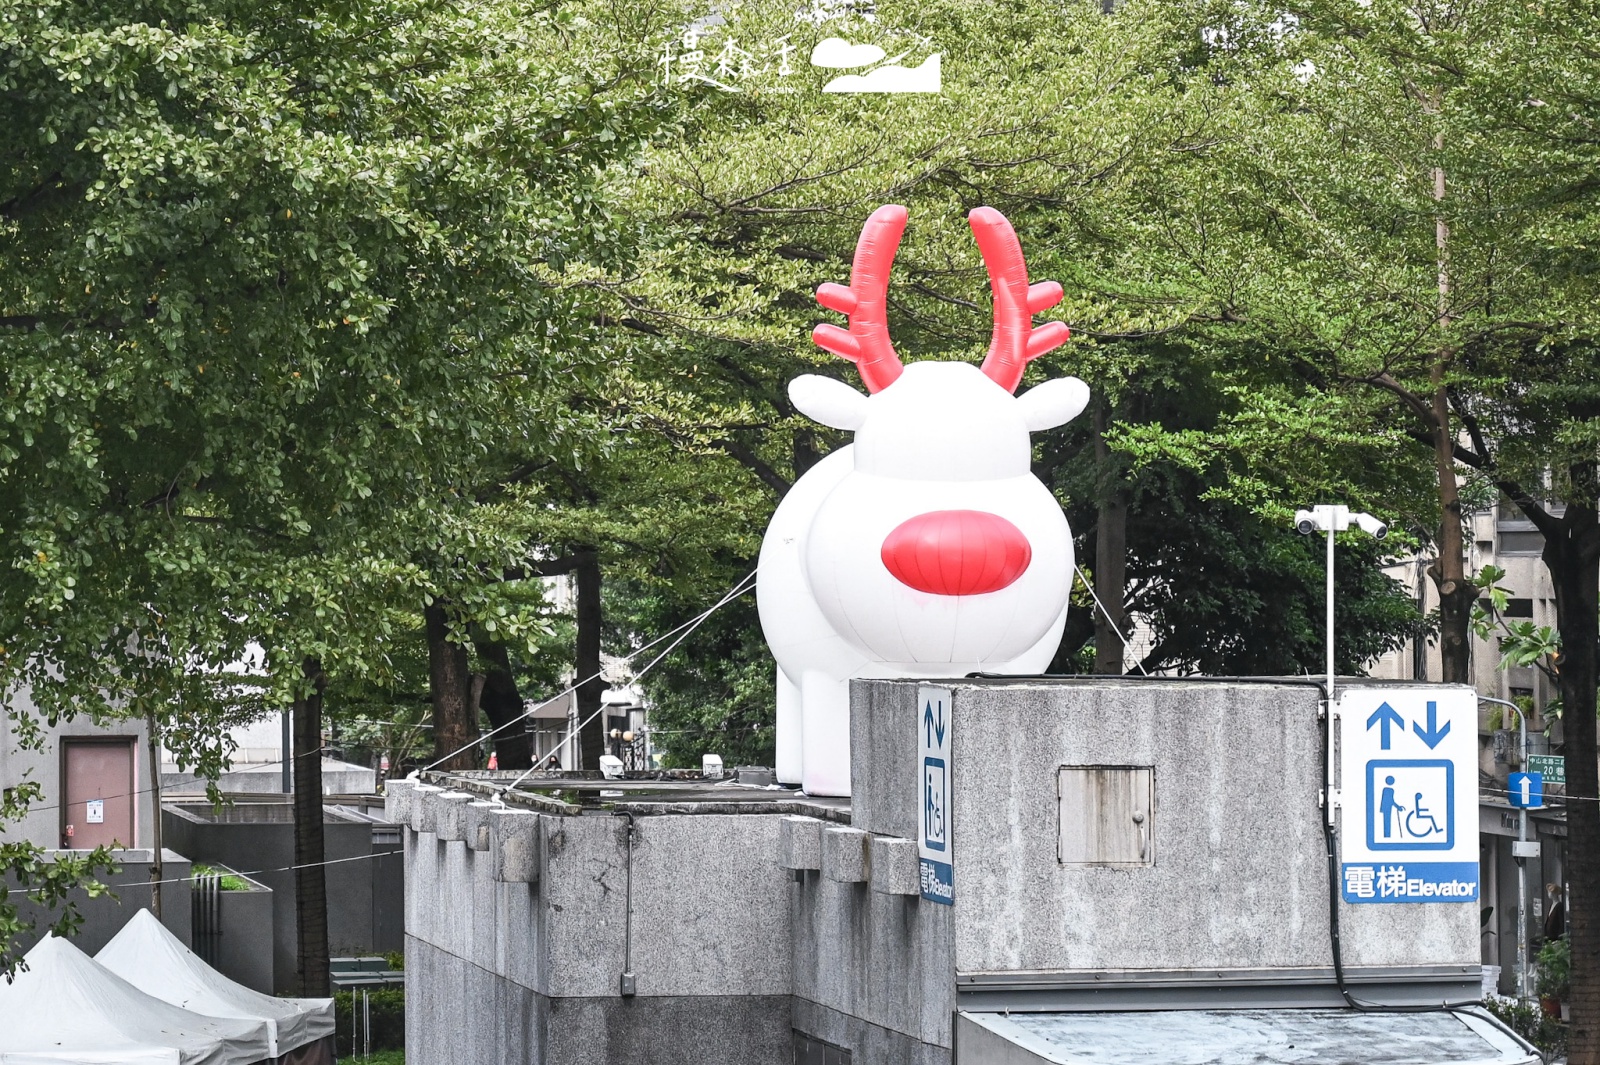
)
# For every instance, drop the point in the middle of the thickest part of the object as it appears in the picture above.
(790, 729)
(826, 739)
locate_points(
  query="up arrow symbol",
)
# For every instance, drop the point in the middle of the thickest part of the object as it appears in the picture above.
(1432, 734)
(1384, 716)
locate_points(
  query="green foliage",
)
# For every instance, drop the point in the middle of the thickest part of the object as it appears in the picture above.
(1522, 643)
(1555, 968)
(387, 1006)
(226, 881)
(276, 296)
(1531, 1023)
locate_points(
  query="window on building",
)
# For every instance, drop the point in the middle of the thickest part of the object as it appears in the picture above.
(1521, 542)
(1519, 608)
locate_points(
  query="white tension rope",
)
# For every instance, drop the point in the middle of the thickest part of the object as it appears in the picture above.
(740, 587)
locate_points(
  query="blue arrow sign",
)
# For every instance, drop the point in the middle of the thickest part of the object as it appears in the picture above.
(1385, 716)
(1432, 734)
(937, 731)
(1526, 790)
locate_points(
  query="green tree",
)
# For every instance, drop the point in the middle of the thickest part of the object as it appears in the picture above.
(270, 282)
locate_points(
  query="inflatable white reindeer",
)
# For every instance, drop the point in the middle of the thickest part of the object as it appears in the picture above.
(927, 548)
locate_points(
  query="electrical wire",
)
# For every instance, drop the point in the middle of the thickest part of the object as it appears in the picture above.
(691, 625)
(1107, 615)
(740, 588)
(258, 872)
(147, 791)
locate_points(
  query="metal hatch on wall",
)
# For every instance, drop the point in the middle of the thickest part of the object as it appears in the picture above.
(98, 790)
(1466, 1036)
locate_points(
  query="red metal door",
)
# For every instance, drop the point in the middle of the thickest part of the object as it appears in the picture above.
(97, 791)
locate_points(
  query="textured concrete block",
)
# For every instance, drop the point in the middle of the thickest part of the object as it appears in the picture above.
(800, 843)
(883, 764)
(844, 854)
(583, 903)
(885, 959)
(423, 812)
(710, 906)
(397, 800)
(1236, 771)
(893, 864)
(448, 817)
(514, 840)
(475, 824)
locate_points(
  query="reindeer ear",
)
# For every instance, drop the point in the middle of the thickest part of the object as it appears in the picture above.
(1053, 403)
(833, 403)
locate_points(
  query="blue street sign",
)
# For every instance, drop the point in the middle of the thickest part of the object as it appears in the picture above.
(1527, 790)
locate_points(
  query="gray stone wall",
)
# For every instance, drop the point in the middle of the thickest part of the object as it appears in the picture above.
(523, 917)
(249, 836)
(1239, 879)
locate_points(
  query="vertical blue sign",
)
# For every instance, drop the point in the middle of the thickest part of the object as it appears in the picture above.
(1408, 794)
(934, 850)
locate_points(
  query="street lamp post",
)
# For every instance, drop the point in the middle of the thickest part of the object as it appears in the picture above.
(1332, 519)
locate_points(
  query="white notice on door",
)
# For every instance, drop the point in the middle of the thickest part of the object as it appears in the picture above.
(97, 812)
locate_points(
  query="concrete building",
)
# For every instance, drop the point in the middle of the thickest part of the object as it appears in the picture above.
(1499, 537)
(609, 922)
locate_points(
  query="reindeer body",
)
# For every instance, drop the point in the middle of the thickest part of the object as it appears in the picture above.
(927, 548)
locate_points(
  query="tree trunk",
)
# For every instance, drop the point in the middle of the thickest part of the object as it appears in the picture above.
(1456, 593)
(592, 736)
(1449, 569)
(157, 869)
(455, 717)
(503, 704)
(310, 881)
(1110, 558)
(1573, 558)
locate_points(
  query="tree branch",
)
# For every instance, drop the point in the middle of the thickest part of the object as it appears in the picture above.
(753, 462)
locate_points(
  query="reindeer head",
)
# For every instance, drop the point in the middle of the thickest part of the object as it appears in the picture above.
(988, 540)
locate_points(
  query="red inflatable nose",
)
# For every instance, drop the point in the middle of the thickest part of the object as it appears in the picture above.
(957, 552)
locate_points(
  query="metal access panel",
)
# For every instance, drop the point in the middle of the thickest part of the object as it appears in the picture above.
(97, 792)
(1107, 815)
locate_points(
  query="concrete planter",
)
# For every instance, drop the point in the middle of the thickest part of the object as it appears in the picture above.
(233, 931)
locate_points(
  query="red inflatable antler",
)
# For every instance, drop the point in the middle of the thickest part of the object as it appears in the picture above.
(1015, 301)
(866, 343)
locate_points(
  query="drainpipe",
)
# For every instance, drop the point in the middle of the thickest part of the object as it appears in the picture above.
(627, 988)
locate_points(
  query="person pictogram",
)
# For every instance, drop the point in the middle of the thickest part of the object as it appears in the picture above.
(1390, 809)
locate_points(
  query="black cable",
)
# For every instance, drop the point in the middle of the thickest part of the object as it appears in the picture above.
(1334, 941)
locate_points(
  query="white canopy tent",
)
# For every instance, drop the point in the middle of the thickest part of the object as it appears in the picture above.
(64, 1009)
(146, 952)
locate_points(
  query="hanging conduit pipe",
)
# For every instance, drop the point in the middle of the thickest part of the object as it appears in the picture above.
(627, 983)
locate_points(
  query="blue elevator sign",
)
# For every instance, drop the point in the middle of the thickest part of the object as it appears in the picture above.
(935, 849)
(1407, 797)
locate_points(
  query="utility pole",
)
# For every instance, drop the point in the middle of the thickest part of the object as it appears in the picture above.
(1521, 860)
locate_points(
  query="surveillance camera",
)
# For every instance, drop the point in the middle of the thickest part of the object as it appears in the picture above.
(1372, 526)
(1305, 522)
